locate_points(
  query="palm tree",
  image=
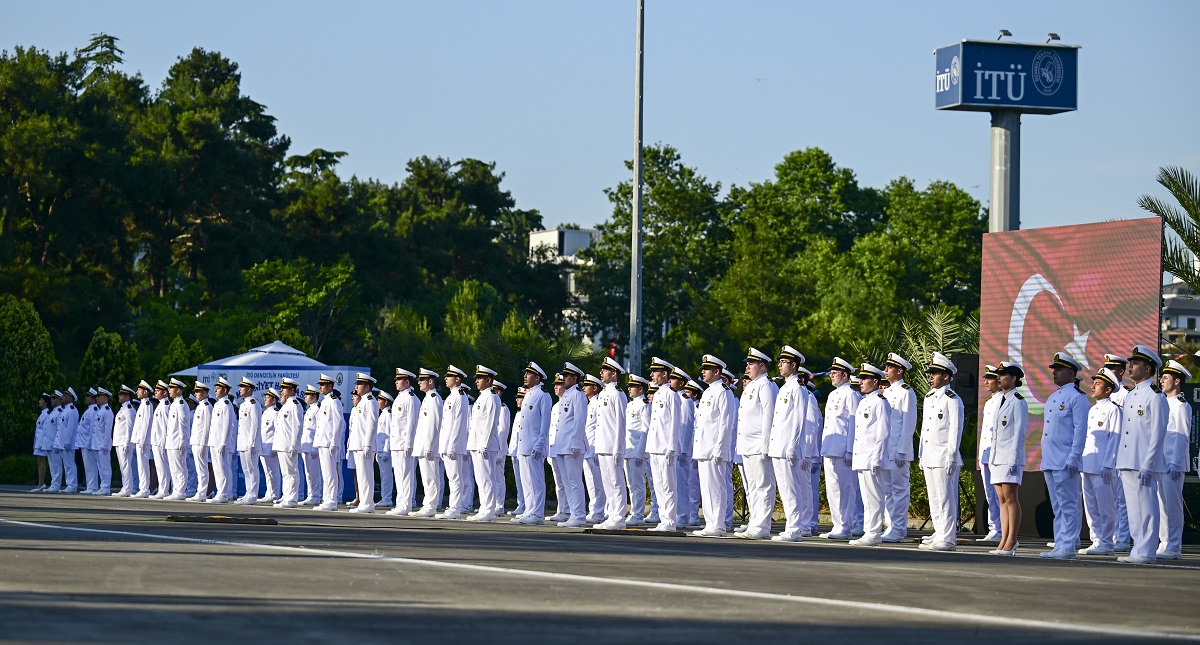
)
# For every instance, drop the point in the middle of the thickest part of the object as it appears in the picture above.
(1179, 251)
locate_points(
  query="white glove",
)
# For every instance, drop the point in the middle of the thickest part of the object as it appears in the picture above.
(901, 463)
(717, 461)
(538, 455)
(1072, 471)
(575, 452)
(875, 470)
(1145, 478)
(1173, 469)
(1106, 475)
(791, 460)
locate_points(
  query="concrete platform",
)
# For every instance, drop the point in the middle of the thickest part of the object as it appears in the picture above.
(91, 569)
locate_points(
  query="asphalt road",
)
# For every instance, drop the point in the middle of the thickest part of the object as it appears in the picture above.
(86, 569)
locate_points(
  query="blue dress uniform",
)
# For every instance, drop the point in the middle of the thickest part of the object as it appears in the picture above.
(1064, 432)
(1140, 459)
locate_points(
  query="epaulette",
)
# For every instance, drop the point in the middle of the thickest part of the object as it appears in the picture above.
(1154, 386)
(463, 390)
(950, 393)
(906, 386)
(880, 393)
(929, 394)
(369, 397)
(1181, 399)
(1018, 395)
(411, 393)
(1115, 403)
(726, 386)
(278, 407)
(1077, 388)
(251, 400)
(1128, 388)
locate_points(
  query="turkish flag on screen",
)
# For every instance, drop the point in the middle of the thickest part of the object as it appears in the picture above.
(1089, 290)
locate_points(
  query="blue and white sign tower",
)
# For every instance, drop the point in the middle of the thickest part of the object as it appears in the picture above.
(1007, 79)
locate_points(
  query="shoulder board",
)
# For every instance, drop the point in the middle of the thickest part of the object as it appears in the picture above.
(336, 396)
(462, 390)
(950, 393)
(1128, 388)
(1077, 389)
(726, 386)
(278, 407)
(369, 396)
(251, 400)
(1118, 404)
(1155, 387)
(411, 393)
(929, 394)
(906, 386)
(880, 393)
(1181, 399)
(1018, 395)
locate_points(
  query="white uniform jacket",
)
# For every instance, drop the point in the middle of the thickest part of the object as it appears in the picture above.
(756, 410)
(637, 427)
(143, 419)
(903, 423)
(383, 432)
(158, 428)
(787, 422)
(39, 428)
(987, 429)
(456, 419)
(589, 426)
(309, 432)
(68, 422)
(179, 425)
(814, 424)
(1176, 442)
(248, 420)
(485, 414)
(504, 427)
(331, 422)
(872, 425)
(512, 435)
(687, 425)
(83, 434)
(403, 428)
(837, 439)
(568, 428)
(941, 429)
(1011, 425)
(201, 423)
(1103, 433)
(266, 425)
(429, 423)
(1143, 430)
(288, 426)
(123, 424)
(610, 421)
(665, 419)
(364, 420)
(102, 432)
(533, 432)
(715, 424)
(1064, 429)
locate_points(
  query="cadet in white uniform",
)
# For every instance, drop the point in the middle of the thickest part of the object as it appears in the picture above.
(452, 446)
(837, 447)
(756, 411)
(690, 498)
(610, 443)
(503, 429)
(122, 435)
(363, 428)
(198, 443)
(663, 443)
(560, 493)
(142, 421)
(158, 433)
(873, 420)
(308, 449)
(248, 443)
(1121, 539)
(1008, 453)
(177, 439)
(270, 461)
(987, 438)
(401, 433)
(289, 423)
(100, 446)
(814, 425)
(592, 478)
(1141, 459)
(39, 439)
(637, 426)
(941, 433)
(425, 443)
(331, 427)
(512, 453)
(788, 462)
(533, 438)
(1098, 463)
(712, 446)
(567, 442)
(1175, 452)
(383, 448)
(1064, 431)
(83, 441)
(62, 458)
(484, 445)
(903, 424)
(223, 438)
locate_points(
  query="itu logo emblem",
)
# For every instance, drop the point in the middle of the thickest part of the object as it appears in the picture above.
(954, 71)
(1047, 72)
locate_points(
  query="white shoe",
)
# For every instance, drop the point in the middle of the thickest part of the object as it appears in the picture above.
(38, 489)
(384, 505)
(287, 505)
(1096, 549)
(424, 512)
(159, 495)
(1003, 552)
(326, 506)
(613, 524)
(121, 493)
(198, 498)
(1169, 555)
(787, 537)
(1135, 559)
(558, 517)
(928, 539)
(634, 521)
(867, 541)
(449, 515)
(141, 495)
(362, 509)
(72, 490)
(177, 497)
(594, 519)
(1057, 554)
(710, 533)
(941, 546)
(397, 512)
(747, 535)
(308, 501)
(246, 501)
(574, 524)
(991, 538)
(652, 519)
(665, 526)
(834, 536)
(1122, 547)
(484, 517)
(531, 520)
(742, 528)
(893, 539)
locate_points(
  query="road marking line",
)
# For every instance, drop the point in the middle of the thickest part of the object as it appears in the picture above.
(919, 612)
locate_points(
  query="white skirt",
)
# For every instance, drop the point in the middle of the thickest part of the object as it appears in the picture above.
(1000, 475)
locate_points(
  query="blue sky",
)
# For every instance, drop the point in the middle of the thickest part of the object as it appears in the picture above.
(545, 89)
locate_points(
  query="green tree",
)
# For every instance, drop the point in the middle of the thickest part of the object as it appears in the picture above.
(30, 368)
(109, 361)
(317, 300)
(180, 356)
(1183, 219)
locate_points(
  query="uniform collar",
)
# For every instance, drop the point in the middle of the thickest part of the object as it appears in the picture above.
(939, 390)
(1144, 384)
(1072, 383)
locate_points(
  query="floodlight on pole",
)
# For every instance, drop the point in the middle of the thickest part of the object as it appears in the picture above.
(1051, 36)
(1003, 33)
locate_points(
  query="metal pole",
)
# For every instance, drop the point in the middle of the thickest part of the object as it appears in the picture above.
(1005, 210)
(635, 226)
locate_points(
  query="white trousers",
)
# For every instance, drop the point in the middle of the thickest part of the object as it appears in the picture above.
(330, 475)
(942, 487)
(224, 476)
(500, 486)
(484, 466)
(1122, 531)
(815, 484)
(841, 487)
(560, 492)
(104, 464)
(635, 482)
(125, 467)
(249, 461)
(1170, 521)
(312, 477)
(993, 502)
(162, 468)
(1064, 501)
(56, 468)
(404, 472)
(758, 480)
(516, 466)
(793, 492)
(271, 474)
(178, 459)
(896, 499)
(665, 477)
(143, 467)
(289, 469)
(613, 477)
(570, 469)
(386, 477)
(90, 468)
(431, 481)
(1144, 518)
(200, 457)
(874, 489)
(364, 469)
(594, 482)
(462, 485)
(714, 491)
(688, 481)
(1100, 510)
(533, 483)
(650, 485)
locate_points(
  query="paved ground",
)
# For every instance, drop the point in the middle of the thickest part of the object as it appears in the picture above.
(76, 568)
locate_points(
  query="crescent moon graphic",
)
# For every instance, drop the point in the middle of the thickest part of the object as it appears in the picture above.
(1037, 283)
